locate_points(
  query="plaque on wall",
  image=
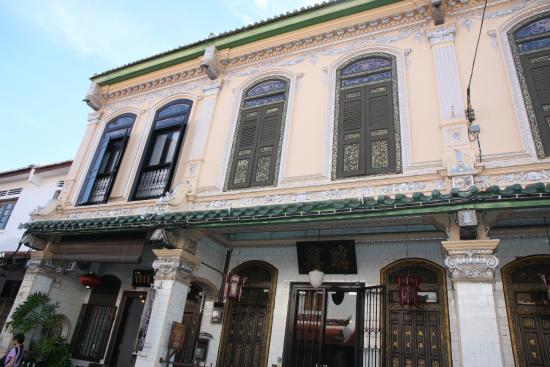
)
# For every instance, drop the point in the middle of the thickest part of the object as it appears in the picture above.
(177, 336)
(331, 257)
(143, 278)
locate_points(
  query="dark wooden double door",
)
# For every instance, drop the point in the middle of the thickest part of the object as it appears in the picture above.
(416, 335)
(245, 342)
(528, 304)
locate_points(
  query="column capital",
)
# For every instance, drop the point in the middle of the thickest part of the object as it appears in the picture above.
(472, 260)
(94, 118)
(212, 88)
(39, 263)
(441, 34)
(175, 264)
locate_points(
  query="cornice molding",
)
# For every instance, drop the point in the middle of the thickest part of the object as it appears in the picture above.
(372, 29)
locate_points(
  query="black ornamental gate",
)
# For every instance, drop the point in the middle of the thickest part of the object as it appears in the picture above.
(338, 325)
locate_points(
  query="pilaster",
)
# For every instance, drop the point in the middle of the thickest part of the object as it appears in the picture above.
(459, 153)
(472, 266)
(39, 277)
(202, 130)
(173, 271)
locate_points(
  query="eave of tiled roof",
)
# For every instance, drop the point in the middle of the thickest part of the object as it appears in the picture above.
(270, 27)
(515, 196)
(37, 168)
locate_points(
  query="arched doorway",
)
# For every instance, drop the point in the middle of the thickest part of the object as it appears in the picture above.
(246, 331)
(416, 335)
(528, 307)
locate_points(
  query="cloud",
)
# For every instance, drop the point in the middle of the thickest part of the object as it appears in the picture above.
(89, 28)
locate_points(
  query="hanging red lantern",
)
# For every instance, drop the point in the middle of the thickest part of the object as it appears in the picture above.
(408, 290)
(546, 279)
(90, 280)
(234, 286)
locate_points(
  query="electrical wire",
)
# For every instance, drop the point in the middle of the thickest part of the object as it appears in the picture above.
(469, 110)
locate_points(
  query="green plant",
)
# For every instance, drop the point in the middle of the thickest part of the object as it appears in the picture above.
(38, 313)
(35, 312)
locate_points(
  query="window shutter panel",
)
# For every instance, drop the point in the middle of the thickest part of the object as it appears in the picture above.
(116, 166)
(380, 129)
(537, 69)
(265, 159)
(351, 133)
(94, 168)
(245, 149)
(78, 328)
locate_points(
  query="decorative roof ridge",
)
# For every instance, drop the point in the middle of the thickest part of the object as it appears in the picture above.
(303, 210)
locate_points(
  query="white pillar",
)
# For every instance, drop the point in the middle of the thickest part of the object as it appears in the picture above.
(174, 269)
(39, 277)
(459, 154)
(202, 128)
(472, 265)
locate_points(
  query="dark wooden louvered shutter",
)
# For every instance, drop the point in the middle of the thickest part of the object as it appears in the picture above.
(94, 169)
(537, 72)
(245, 148)
(265, 159)
(351, 133)
(380, 129)
(116, 166)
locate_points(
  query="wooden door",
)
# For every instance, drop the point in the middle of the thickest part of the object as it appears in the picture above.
(528, 305)
(246, 331)
(416, 335)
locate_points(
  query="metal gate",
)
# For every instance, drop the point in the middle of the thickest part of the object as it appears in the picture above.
(318, 338)
(372, 332)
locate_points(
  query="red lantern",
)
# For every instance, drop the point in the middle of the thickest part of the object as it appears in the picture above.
(234, 286)
(546, 279)
(408, 290)
(90, 280)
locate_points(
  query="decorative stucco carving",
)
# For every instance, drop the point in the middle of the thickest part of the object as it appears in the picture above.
(37, 264)
(441, 34)
(153, 209)
(471, 260)
(176, 264)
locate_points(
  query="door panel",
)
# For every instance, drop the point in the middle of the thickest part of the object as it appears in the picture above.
(245, 345)
(416, 335)
(528, 310)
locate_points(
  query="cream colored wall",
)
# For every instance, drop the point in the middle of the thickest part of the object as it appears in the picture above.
(306, 156)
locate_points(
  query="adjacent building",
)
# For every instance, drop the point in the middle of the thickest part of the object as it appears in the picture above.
(22, 191)
(326, 147)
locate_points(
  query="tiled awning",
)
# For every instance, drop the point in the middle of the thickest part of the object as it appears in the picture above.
(515, 196)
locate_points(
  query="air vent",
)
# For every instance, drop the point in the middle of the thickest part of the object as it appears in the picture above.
(60, 183)
(10, 192)
(16, 191)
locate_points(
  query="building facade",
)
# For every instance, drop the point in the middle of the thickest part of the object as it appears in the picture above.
(332, 139)
(22, 191)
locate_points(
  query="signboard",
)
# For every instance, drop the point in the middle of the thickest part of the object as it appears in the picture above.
(177, 336)
(143, 278)
(331, 257)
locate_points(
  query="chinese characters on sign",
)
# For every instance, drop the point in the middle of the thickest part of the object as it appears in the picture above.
(330, 257)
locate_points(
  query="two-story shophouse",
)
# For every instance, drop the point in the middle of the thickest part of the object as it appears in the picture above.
(319, 167)
(22, 191)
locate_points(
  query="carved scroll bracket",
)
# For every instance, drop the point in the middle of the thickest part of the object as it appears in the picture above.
(176, 264)
(473, 261)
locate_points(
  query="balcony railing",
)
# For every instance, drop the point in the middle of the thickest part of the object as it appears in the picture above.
(152, 183)
(100, 190)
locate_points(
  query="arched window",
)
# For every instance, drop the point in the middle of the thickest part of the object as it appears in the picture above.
(257, 142)
(162, 150)
(530, 42)
(366, 130)
(107, 158)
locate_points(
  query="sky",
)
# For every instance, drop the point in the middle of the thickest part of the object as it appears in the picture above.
(50, 48)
